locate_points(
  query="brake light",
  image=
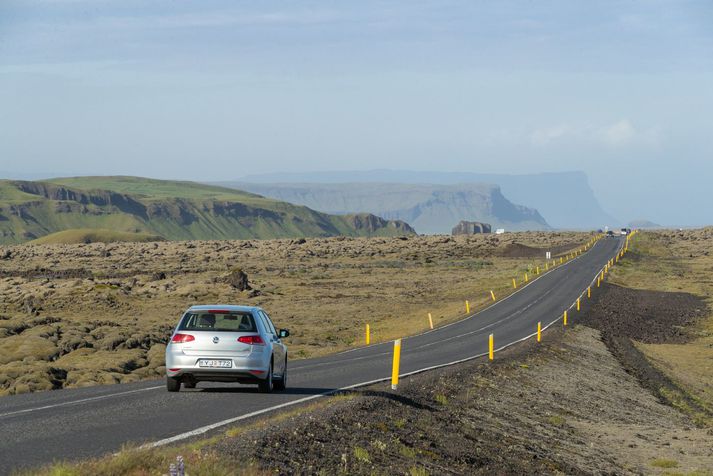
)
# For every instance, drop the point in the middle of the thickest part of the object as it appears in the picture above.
(219, 311)
(182, 338)
(252, 340)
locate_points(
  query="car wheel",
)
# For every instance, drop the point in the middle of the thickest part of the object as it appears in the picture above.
(266, 386)
(281, 383)
(173, 384)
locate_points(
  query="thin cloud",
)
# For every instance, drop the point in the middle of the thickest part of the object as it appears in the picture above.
(548, 135)
(617, 134)
(620, 133)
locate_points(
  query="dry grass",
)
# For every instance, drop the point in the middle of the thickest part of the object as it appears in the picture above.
(677, 261)
(87, 314)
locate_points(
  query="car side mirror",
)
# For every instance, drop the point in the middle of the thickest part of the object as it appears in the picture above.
(284, 333)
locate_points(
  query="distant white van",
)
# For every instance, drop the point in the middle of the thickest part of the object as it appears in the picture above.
(500, 231)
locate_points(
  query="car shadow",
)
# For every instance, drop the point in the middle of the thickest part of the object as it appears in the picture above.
(250, 389)
(307, 391)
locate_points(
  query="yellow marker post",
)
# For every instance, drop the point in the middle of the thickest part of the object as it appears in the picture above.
(547, 266)
(578, 304)
(395, 367)
(598, 281)
(539, 331)
(589, 292)
(467, 307)
(514, 284)
(430, 320)
(526, 278)
(368, 335)
(492, 294)
(490, 347)
(561, 260)
(538, 270)
(565, 318)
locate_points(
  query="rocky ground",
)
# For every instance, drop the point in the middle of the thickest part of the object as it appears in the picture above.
(571, 405)
(87, 314)
(584, 401)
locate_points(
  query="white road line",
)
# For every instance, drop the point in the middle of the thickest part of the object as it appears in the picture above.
(213, 426)
(75, 402)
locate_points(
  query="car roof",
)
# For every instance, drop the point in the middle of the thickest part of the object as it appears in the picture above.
(224, 307)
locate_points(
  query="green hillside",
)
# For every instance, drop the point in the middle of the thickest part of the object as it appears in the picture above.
(93, 236)
(174, 210)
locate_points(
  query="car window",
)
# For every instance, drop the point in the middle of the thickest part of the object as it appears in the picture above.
(269, 323)
(218, 322)
(264, 322)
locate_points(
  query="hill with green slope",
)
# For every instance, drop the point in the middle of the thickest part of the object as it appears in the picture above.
(68, 237)
(172, 209)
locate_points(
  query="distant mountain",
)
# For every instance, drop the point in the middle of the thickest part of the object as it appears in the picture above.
(428, 208)
(172, 210)
(564, 199)
(643, 224)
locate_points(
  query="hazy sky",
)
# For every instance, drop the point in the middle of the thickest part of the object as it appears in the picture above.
(214, 90)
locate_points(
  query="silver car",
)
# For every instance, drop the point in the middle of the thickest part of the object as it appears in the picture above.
(220, 343)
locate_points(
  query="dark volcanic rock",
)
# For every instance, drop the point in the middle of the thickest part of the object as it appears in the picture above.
(470, 228)
(238, 279)
(372, 224)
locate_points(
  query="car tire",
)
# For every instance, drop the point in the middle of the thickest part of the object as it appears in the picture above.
(173, 384)
(281, 383)
(266, 386)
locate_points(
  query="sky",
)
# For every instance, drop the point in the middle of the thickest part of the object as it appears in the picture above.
(216, 90)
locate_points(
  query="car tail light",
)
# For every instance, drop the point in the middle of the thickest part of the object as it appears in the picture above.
(181, 338)
(252, 340)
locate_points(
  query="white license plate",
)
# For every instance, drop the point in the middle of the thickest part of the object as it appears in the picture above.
(223, 364)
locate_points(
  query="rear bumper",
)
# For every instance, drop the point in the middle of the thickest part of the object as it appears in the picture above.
(250, 368)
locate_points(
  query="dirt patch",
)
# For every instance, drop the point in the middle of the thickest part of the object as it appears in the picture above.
(652, 317)
(625, 315)
(563, 407)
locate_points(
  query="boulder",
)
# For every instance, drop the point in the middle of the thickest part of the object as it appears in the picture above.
(239, 280)
(470, 228)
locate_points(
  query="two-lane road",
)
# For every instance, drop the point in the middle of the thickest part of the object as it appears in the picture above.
(75, 423)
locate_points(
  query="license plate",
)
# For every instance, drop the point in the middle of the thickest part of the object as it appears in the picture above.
(223, 364)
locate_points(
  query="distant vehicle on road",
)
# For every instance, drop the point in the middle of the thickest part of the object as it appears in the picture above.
(219, 343)
(610, 233)
(625, 231)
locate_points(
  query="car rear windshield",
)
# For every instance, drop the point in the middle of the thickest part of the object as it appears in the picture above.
(218, 322)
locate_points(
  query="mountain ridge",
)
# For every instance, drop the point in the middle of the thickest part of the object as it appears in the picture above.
(171, 209)
(564, 199)
(429, 208)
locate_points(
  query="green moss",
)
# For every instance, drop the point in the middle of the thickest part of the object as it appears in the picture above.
(441, 399)
(664, 463)
(361, 455)
(556, 420)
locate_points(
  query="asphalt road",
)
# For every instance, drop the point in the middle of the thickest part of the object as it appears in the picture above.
(75, 423)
